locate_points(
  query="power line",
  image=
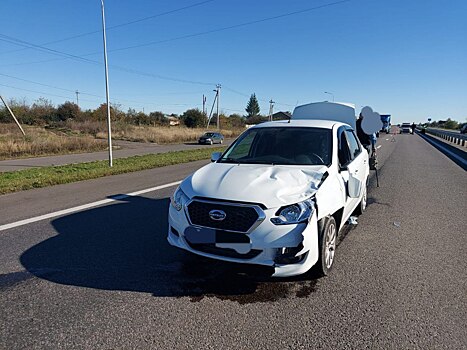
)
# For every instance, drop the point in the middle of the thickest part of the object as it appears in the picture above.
(119, 25)
(259, 99)
(23, 43)
(37, 92)
(215, 30)
(230, 27)
(80, 58)
(119, 101)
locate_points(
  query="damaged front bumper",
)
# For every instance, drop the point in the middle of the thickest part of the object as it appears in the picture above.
(290, 249)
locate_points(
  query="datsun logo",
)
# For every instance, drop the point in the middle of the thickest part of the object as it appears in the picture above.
(217, 215)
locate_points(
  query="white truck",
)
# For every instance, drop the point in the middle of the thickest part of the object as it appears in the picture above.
(279, 195)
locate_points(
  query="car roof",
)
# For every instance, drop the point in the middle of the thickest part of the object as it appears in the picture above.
(315, 123)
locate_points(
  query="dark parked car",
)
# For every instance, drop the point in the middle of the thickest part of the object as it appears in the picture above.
(464, 129)
(211, 137)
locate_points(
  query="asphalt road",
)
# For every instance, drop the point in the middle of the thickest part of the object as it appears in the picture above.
(127, 149)
(106, 278)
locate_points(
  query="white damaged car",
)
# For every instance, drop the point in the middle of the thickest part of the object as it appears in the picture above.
(279, 195)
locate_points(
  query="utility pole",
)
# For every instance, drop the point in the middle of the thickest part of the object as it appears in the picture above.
(11, 113)
(218, 91)
(204, 105)
(212, 108)
(271, 109)
(77, 99)
(107, 86)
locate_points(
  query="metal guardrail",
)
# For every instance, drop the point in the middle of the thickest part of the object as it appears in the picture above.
(450, 136)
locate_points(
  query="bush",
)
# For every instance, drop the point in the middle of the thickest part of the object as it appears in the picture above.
(68, 110)
(194, 118)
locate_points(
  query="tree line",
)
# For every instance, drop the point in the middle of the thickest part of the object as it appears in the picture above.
(445, 124)
(43, 112)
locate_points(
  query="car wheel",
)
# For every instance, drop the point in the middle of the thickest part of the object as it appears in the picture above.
(221, 141)
(210, 142)
(327, 240)
(362, 205)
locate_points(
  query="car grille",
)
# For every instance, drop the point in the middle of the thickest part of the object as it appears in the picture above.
(226, 252)
(238, 218)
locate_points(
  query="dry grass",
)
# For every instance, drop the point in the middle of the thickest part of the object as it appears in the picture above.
(153, 134)
(161, 135)
(88, 136)
(41, 142)
(91, 127)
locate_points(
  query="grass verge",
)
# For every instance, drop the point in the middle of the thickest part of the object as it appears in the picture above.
(47, 176)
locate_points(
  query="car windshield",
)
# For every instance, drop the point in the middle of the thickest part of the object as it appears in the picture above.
(208, 134)
(282, 146)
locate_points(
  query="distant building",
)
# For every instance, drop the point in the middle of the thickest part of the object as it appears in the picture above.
(281, 116)
(173, 121)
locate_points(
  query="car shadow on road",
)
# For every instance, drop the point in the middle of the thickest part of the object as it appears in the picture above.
(123, 247)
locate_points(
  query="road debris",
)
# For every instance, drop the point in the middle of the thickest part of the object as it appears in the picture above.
(352, 220)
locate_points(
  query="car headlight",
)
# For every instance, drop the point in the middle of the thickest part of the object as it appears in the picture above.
(294, 214)
(178, 199)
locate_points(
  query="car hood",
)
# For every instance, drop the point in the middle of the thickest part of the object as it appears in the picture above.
(271, 185)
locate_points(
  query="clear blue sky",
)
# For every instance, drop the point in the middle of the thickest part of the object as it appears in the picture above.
(405, 58)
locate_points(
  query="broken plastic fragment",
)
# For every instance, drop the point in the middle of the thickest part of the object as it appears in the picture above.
(397, 224)
(353, 220)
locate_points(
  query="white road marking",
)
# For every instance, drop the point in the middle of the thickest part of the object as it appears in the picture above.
(378, 147)
(85, 206)
(439, 144)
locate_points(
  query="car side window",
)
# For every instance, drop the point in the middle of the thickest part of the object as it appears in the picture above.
(354, 147)
(344, 151)
(244, 146)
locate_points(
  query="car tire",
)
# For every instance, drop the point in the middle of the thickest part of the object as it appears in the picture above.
(361, 207)
(327, 242)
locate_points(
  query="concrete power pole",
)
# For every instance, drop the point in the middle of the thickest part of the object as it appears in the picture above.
(218, 88)
(77, 99)
(271, 109)
(107, 86)
(11, 113)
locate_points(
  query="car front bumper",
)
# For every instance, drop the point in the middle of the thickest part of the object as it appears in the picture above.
(267, 244)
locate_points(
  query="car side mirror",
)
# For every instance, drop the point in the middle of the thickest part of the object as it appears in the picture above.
(215, 156)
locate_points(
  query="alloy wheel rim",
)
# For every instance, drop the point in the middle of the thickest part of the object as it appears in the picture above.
(330, 245)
